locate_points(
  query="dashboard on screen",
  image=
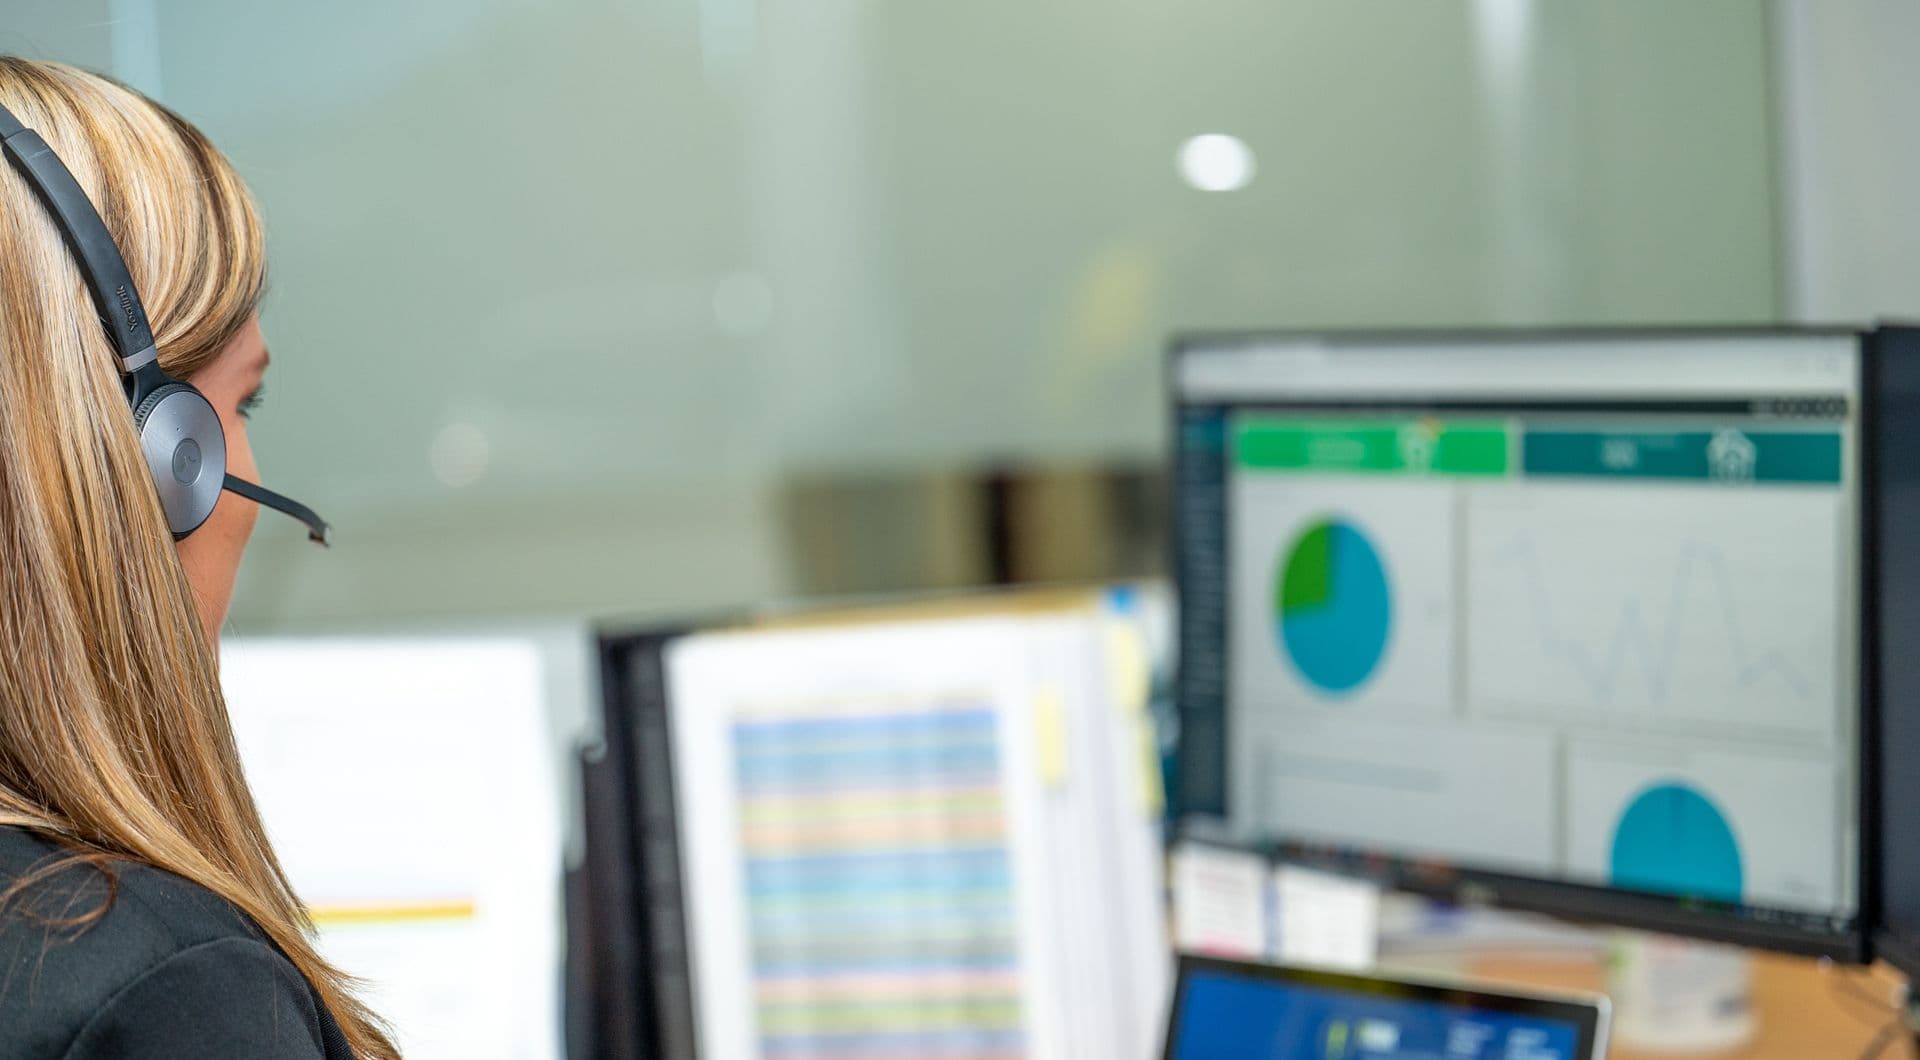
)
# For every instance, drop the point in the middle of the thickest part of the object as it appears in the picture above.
(1574, 619)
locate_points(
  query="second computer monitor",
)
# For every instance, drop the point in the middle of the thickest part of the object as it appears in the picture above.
(1571, 621)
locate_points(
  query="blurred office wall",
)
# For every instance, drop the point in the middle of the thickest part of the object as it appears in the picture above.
(1850, 90)
(598, 305)
(74, 31)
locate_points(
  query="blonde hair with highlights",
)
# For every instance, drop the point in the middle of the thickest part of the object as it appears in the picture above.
(114, 736)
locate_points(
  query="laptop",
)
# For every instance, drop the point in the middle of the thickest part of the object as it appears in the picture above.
(1229, 1009)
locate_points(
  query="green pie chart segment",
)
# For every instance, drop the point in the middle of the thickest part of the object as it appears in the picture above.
(1333, 607)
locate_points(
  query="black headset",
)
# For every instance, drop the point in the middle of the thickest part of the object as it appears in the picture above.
(180, 434)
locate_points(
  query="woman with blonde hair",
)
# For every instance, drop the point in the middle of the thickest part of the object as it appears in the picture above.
(142, 910)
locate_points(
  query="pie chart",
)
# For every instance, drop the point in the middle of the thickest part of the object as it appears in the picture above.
(1674, 840)
(1333, 606)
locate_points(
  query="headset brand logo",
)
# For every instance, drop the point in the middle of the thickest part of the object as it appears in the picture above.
(126, 307)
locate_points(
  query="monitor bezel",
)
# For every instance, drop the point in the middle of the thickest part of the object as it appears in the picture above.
(1566, 898)
(1901, 954)
(626, 1011)
(1890, 464)
(1589, 1014)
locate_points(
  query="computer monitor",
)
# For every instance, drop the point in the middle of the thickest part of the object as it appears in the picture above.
(412, 788)
(1570, 622)
(1224, 1010)
(1894, 723)
(915, 830)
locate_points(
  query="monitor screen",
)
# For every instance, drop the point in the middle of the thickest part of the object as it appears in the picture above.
(925, 830)
(1571, 620)
(1225, 1010)
(412, 790)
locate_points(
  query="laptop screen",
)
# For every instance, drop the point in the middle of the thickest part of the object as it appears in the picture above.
(1225, 1010)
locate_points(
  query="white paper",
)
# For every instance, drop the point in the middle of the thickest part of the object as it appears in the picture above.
(917, 838)
(905, 693)
(1219, 902)
(1325, 921)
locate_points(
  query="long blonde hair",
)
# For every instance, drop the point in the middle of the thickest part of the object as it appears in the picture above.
(114, 735)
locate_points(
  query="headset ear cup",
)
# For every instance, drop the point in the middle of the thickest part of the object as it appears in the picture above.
(146, 407)
(186, 451)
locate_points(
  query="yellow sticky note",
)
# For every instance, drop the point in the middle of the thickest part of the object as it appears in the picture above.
(1050, 738)
(1130, 668)
(1153, 794)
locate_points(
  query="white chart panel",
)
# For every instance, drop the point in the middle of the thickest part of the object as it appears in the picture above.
(1484, 798)
(1346, 594)
(1762, 829)
(1656, 607)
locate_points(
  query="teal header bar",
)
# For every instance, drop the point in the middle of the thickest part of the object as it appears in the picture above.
(1710, 456)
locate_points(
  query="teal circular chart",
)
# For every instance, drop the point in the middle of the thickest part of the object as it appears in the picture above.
(1333, 606)
(1673, 839)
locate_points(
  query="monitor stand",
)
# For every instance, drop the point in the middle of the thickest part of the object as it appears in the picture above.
(1679, 996)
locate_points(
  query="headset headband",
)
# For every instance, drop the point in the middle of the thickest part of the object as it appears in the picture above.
(106, 271)
(172, 425)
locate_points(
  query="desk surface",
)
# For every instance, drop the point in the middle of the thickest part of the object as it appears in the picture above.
(1806, 1010)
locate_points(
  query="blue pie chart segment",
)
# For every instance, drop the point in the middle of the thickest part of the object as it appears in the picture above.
(1674, 840)
(1333, 606)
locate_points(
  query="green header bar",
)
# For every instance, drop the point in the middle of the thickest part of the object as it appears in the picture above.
(1384, 447)
(1714, 456)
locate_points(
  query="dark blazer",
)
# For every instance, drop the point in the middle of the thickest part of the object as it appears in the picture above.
(169, 970)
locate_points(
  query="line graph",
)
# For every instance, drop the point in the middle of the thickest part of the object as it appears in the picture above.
(1681, 608)
(1649, 648)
